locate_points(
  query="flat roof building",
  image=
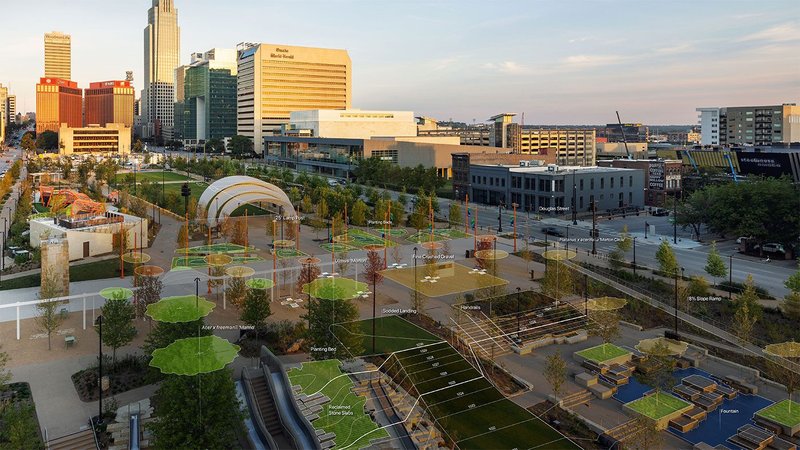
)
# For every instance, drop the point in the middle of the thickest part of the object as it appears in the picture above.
(557, 190)
(58, 55)
(58, 101)
(462, 162)
(662, 178)
(273, 80)
(114, 138)
(109, 102)
(749, 125)
(351, 123)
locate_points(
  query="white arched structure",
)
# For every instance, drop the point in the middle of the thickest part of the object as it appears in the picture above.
(223, 196)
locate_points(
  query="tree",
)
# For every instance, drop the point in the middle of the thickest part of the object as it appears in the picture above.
(785, 371)
(334, 326)
(667, 262)
(183, 234)
(118, 329)
(240, 146)
(164, 333)
(5, 375)
(373, 267)
(192, 210)
(308, 273)
(793, 282)
(322, 210)
(237, 291)
(656, 370)
(137, 146)
(555, 372)
(625, 242)
(605, 325)
(47, 140)
(791, 306)
(749, 296)
(358, 215)
(255, 309)
(148, 293)
(20, 430)
(49, 316)
(454, 215)
(647, 436)
(28, 144)
(744, 321)
(557, 282)
(715, 266)
(239, 233)
(185, 419)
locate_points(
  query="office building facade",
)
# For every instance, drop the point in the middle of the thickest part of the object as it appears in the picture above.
(161, 57)
(461, 163)
(58, 55)
(749, 125)
(113, 138)
(58, 102)
(557, 190)
(109, 102)
(662, 178)
(206, 107)
(3, 112)
(11, 108)
(274, 80)
(351, 123)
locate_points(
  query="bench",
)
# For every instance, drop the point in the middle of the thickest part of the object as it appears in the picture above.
(683, 424)
(69, 340)
(687, 392)
(726, 391)
(696, 413)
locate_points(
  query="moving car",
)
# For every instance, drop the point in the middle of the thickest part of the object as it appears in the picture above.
(772, 247)
(660, 212)
(552, 231)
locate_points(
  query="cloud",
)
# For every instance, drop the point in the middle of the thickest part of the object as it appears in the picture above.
(582, 39)
(591, 60)
(675, 49)
(508, 67)
(779, 33)
(445, 63)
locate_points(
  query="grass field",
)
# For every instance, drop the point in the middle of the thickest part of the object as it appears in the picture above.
(338, 247)
(334, 288)
(602, 352)
(290, 253)
(453, 279)
(394, 232)
(779, 412)
(154, 177)
(657, 405)
(359, 238)
(441, 234)
(344, 414)
(223, 247)
(90, 271)
(470, 410)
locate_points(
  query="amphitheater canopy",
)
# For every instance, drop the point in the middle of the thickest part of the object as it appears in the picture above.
(223, 196)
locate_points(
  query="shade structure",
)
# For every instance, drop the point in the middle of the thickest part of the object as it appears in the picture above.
(259, 283)
(223, 196)
(110, 293)
(194, 355)
(605, 304)
(184, 308)
(671, 346)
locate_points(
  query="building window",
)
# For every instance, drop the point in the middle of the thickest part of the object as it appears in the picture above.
(581, 183)
(612, 183)
(621, 184)
(591, 184)
(503, 182)
(630, 198)
(630, 181)
(602, 183)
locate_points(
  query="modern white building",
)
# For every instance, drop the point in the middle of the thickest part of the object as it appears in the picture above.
(351, 123)
(162, 44)
(709, 125)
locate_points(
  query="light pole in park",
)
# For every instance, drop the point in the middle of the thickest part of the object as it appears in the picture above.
(99, 323)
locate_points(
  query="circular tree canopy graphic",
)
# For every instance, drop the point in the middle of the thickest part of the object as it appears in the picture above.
(559, 255)
(606, 304)
(110, 293)
(491, 254)
(259, 283)
(192, 356)
(218, 259)
(431, 245)
(283, 243)
(240, 271)
(185, 308)
(149, 271)
(136, 258)
(784, 349)
(335, 288)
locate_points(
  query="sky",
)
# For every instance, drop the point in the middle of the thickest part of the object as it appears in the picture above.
(557, 61)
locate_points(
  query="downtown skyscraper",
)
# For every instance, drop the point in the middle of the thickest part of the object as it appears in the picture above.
(161, 56)
(58, 55)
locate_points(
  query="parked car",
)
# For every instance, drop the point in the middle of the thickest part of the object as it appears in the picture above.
(660, 212)
(772, 247)
(552, 231)
(742, 239)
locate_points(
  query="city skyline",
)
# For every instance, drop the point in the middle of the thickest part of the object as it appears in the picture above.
(454, 60)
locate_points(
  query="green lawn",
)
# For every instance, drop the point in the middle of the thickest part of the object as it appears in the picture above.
(439, 234)
(779, 412)
(360, 239)
(392, 334)
(91, 271)
(602, 352)
(338, 247)
(153, 176)
(289, 253)
(223, 247)
(197, 262)
(657, 405)
(344, 414)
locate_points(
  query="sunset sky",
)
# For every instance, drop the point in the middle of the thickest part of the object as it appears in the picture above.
(559, 62)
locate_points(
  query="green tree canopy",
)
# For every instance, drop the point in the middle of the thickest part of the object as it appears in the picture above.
(241, 146)
(667, 262)
(118, 328)
(715, 266)
(255, 309)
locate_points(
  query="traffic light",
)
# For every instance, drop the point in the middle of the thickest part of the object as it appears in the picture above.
(185, 191)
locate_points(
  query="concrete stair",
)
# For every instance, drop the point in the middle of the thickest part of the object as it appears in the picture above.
(82, 440)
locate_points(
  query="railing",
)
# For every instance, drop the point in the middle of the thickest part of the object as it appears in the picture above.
(94, 434)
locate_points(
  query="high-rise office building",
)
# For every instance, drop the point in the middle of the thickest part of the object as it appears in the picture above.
(3, 112)
(110, 102)
(161, 56)
(58, 55)
(207, 101)
(570, 146)
(58, 101)
(11, 108)
(750, 125)
(274, 80)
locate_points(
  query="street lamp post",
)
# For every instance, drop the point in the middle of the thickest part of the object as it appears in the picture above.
(646, 226)
(99, 323)
(518, 312)
(634, 255)
(675, 220)
(730, 276)
(416, 301)
(574, 199)
(676, 302)
(500, 217)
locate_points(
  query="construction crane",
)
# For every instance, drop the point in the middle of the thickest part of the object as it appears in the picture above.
(624, 139)
(733, 169)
